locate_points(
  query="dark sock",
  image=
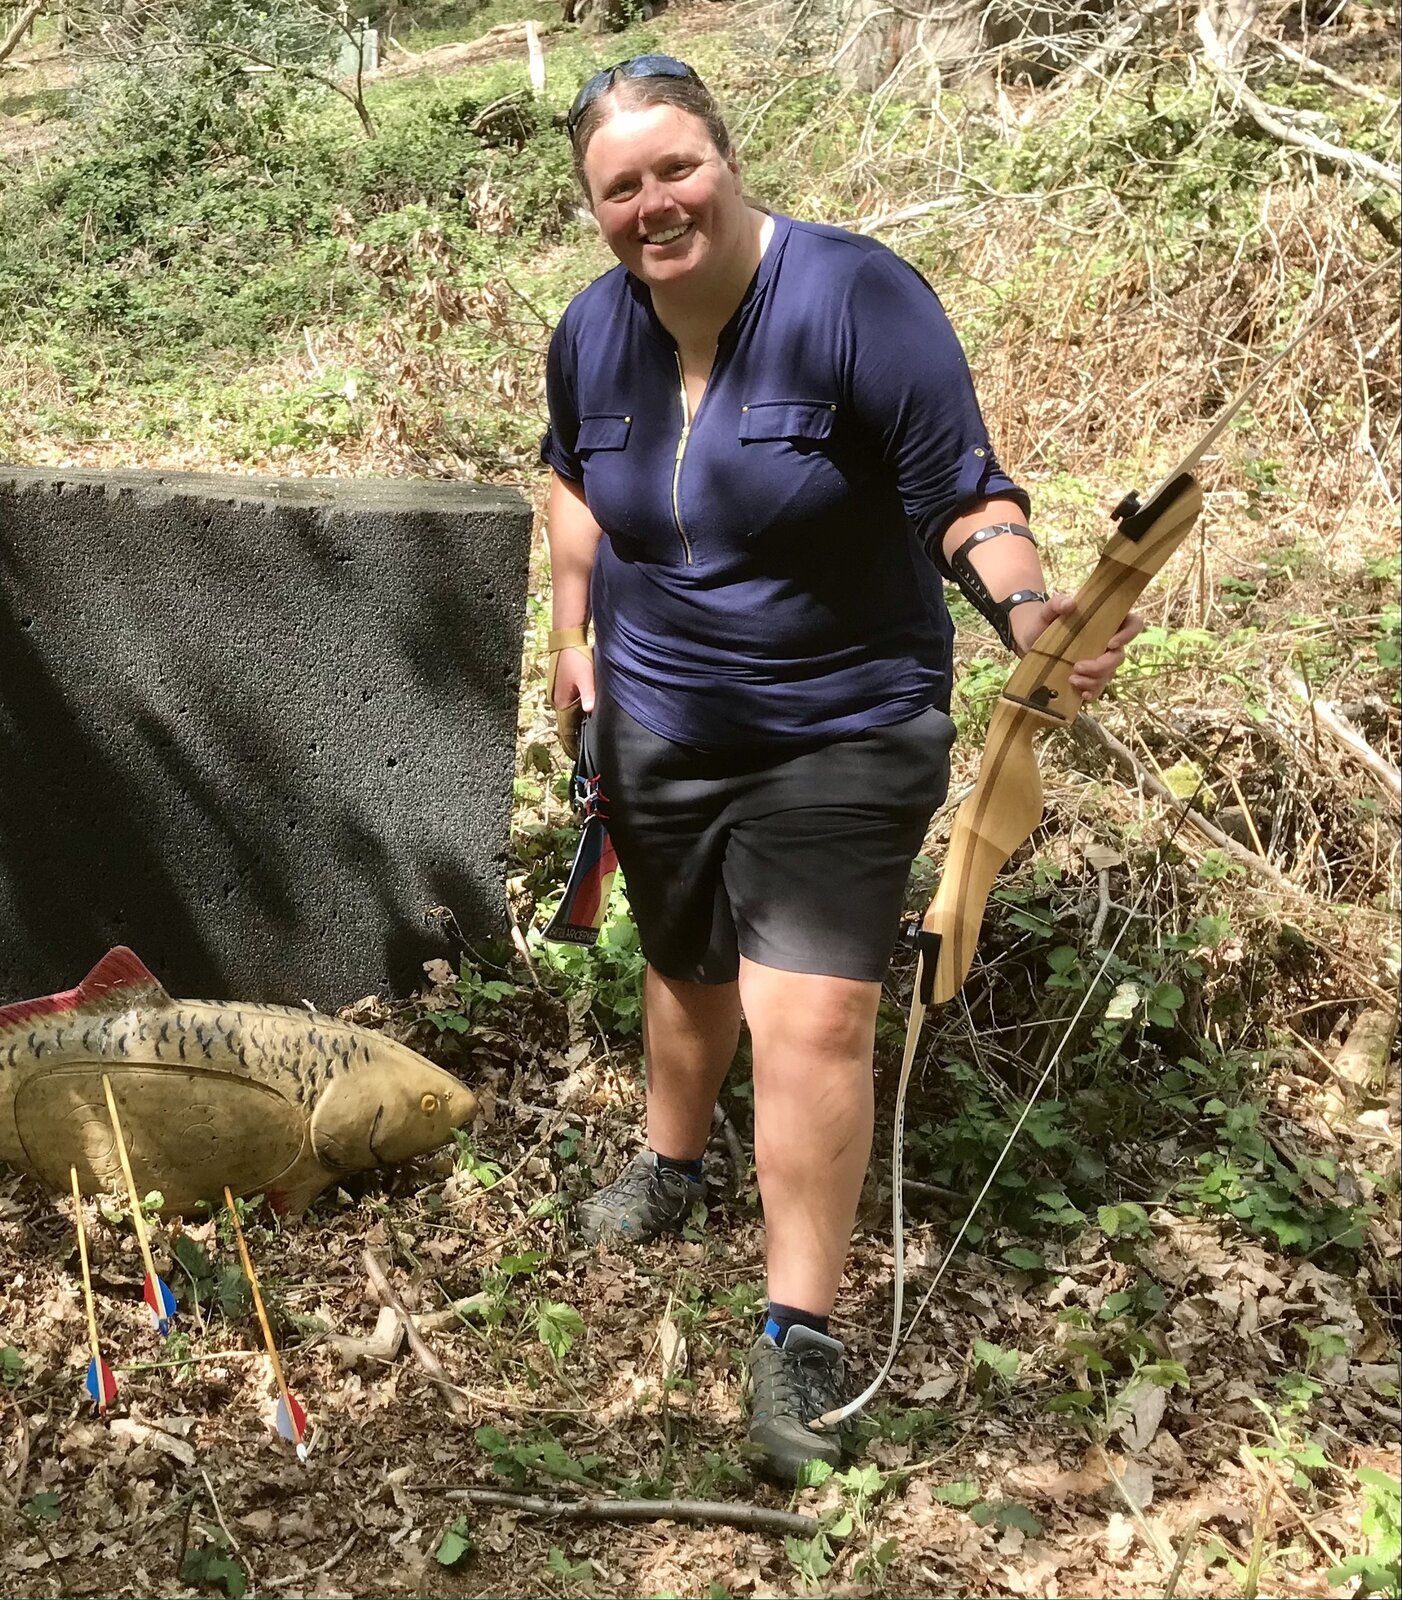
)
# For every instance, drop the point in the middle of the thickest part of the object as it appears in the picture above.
(780, 1319)
(695, 1170)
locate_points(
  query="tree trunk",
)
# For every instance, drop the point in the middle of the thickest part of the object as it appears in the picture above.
(25, 23)
(924, 43)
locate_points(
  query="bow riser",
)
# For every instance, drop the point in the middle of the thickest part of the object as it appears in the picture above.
(1041, 680)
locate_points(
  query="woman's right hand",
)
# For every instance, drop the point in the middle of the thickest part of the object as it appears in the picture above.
(573, 698)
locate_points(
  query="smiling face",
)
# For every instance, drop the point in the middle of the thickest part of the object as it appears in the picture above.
(669, 203)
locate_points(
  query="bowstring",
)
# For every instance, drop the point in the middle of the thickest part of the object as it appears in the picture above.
(840, 1414)
(1125, 924)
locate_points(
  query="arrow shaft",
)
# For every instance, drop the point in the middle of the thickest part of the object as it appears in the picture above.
(138, 1221)
(87, 1282)
(258, 1305)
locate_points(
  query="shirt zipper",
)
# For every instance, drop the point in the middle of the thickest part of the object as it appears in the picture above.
(677, 465)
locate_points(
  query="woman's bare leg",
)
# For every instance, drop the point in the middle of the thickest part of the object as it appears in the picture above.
(690, 1031)
(813, 1039)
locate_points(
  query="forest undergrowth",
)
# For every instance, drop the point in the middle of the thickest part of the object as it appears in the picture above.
(1164, 1357)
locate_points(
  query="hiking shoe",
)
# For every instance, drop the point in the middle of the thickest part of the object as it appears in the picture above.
(642, 1203)
(790, 1384)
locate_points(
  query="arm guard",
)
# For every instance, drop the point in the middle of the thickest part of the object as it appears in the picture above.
(960, 569)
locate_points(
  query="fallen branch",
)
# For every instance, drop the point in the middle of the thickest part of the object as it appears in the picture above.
(1091, 731)
(1319, 70)
(1349, 739)
(303, 1573)
(445, 56)
(1272, 119)
(710, 1511)
(457, 1401)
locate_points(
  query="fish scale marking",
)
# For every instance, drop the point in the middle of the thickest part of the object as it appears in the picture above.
(261, 1098)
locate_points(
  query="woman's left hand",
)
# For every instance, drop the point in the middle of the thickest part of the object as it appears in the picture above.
(1088, 678)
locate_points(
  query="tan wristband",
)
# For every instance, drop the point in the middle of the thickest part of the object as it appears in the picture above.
(568, 639)
(564, 639)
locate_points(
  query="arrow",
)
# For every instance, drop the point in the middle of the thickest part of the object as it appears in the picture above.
(156, 1292)
(101, 1385)
(291, 1419)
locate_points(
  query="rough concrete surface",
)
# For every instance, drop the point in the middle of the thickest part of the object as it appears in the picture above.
(256, 729)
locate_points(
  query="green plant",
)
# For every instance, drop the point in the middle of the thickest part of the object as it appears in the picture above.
(1376, 1568)
(210, 1563)
(610, 972)
(12, 1366)
(558, 1326)
(994, 1365)
(455, 1546)
(569, 1571)
(47, 1506)
(476, 1167)
(207, 1284)
(116, 1213)
(535, 1452)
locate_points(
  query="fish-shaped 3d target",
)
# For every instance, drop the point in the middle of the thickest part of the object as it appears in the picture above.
(260, 1098)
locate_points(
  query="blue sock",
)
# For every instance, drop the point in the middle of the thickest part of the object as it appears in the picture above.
(695, 1170)
(780, 1319)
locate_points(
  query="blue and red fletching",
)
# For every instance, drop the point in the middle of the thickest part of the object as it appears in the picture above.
(101, 1385)
(291, 1420)
(581, 911)
(157, 1294)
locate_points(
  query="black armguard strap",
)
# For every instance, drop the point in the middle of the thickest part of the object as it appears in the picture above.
(961, 569)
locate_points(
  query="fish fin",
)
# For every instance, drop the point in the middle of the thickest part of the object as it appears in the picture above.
(48, 1005)
(118, 979)
(122, 972)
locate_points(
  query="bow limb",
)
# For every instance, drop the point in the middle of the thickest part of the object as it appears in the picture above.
(1002, 811)
(1006, 803)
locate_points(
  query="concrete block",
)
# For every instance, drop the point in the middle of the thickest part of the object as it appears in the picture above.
(257, 729)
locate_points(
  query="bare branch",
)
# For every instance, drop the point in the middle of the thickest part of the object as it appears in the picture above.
(1274, 119)
(714, 1511)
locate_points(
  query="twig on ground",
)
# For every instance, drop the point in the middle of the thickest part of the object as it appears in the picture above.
(341, 1551)
(1093, 732)
(1348, 738)
(710, 1511)
(1263, 1469)
(1155, 1540)
(1185, 1544)
(1319, 70)
(457, 1401)
(22, 1465)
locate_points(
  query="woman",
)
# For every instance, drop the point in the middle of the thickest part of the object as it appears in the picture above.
(765, 450)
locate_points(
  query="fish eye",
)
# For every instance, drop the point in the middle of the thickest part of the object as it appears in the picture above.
(429, 1103)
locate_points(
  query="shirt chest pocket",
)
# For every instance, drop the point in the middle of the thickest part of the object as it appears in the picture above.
(792, 457)
(601, 433)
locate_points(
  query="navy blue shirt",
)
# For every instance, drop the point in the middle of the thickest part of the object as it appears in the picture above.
(765, 578)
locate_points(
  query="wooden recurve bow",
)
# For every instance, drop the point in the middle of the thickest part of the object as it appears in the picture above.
(1005, 804)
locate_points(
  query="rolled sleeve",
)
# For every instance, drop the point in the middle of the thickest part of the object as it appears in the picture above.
(558, 442)
(909, 386)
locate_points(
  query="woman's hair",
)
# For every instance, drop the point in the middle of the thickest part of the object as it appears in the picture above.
(631, 94)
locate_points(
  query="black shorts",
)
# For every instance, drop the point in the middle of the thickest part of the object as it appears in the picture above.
(796, 859)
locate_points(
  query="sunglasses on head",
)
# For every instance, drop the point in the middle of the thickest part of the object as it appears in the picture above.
(649, 66)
